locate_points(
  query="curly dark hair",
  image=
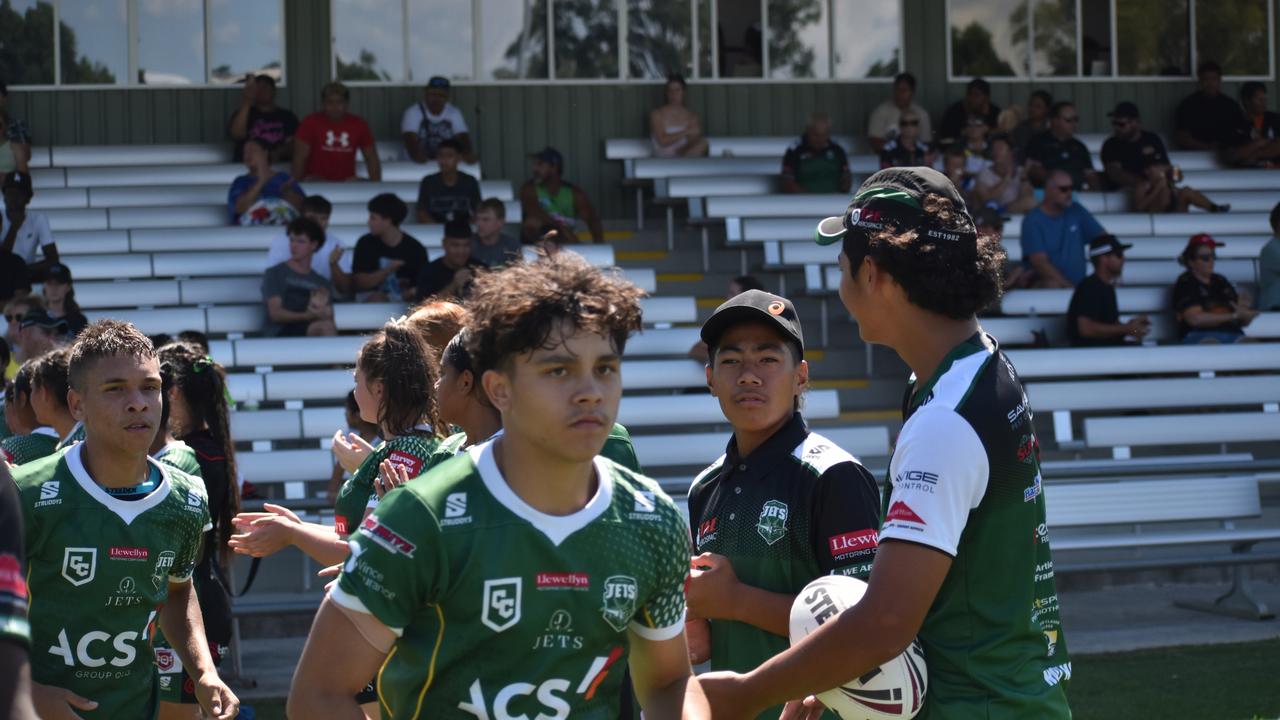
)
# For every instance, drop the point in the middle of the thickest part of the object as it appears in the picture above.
(515, 310)
(398, 356)
(942, 276)
(103, 339)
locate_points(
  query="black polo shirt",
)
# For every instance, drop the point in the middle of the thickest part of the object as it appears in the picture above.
(1215, 119)
(798, 507)
(1217, 297)
(1070, 155)
(1135, 156)
(1096, 300)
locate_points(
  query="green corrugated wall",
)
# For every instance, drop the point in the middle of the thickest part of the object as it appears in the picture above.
(510, 121)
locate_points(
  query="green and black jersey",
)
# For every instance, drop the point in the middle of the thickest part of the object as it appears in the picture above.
(965, 480)
(796, 508)
(19, 449)
(74, 436)
(180, 455)
(617, 448)
(411, 452)
(13, 575)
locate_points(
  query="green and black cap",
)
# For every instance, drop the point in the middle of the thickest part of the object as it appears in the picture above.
(892, 199)
(755, 306)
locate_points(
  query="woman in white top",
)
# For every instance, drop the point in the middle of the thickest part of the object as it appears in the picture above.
(1002, 182)
(675, 129)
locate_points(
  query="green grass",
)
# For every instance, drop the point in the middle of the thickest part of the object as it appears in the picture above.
(1212, 682)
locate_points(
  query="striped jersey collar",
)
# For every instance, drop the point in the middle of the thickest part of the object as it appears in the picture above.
(918, 395)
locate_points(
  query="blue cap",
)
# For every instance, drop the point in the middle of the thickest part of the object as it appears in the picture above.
(438, 82)
(549, 155)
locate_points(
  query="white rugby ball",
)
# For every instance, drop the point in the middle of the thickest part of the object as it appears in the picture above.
(894, 690)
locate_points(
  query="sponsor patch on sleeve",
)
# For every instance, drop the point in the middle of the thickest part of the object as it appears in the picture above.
(12, 580)
(388, 539)
(901, 513)
(852, 544)
(410, 462)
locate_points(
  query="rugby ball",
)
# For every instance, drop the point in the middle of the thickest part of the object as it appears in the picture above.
(894, 690)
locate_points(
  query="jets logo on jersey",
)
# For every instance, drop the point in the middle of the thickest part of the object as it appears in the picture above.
(79, 565)
(455, 510)
(619, 601)
(49, 494)
(126, 594)
(559, 634)
(501, 603)
(164, 565)
(772, 524)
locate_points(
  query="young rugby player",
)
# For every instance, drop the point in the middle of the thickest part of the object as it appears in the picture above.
(111, 536)
(963, 560)
(49, 396)
(15, 631)
(783, 505)
(199, 415)
(30, 440)
(511, 580)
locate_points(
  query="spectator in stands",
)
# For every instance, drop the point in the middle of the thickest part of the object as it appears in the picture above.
(15, 280)
(23, 232)
(60, 299)
(15, 141)
(549, 199)
(387, 260)
(1036, 122)
(1058, 148)
(259, 118)
(490, 245)
(1207, 307)
(262, 196)
(737, 286)
(814, 163)
(977, 101)
(674, 129)
(1002, 184)
(298, 300)
(447, 194)
(1093, 317)
(976, 149)
(1136, 159)
(426, 124)
(1269, 267)
(194, 337)
(1207, 119)
(885, 122)
(1257, 142)
(906, 148)
(450, 275)
(1054, 235)
(326, 144)
(39, 332)
(331, 261)
(14, 311)
(952, 164)
(989, 222)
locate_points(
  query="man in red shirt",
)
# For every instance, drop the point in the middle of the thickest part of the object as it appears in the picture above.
(326, 143)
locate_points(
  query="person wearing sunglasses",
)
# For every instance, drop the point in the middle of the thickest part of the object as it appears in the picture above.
(1136, 159)
(1054, 234)
(1059, 148)
(887, 118)
(1093, 317)
(907, 149)
(1206, 305)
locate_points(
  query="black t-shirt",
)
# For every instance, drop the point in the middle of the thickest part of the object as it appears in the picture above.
(1137, 155)
(1094, 299)
(13, 564)
(445, 202)
(1214, 119)
(957, 116)
(435, 276)
(1070, 155)
(13, 276)
(1217, 297)
(1268, 128)
(896, 154)
(273, 128)
(372, 254)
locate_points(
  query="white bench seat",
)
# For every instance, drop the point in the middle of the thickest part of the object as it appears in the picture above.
(1188, 429)
(1169, 359)
(700, 449)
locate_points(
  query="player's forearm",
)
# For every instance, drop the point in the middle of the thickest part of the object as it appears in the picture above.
(184, 629)
(15, 683)
(682, 698)
(320, 543)
(319, 703)
(766, 610)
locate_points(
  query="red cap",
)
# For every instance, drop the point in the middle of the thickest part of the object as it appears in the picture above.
(1203, 239)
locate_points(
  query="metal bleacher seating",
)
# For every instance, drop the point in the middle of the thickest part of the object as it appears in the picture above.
(193, 195)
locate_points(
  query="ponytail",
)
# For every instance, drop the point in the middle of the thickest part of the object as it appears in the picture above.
(400, 358)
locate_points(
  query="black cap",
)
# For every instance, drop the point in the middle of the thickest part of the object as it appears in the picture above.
(1124, 109)
(549, 155)
(17, 179)
(1105, 245)
(58, 272)
(754, 306)
(894, 197)
(990, 217)
(39, 317)
(438, 82)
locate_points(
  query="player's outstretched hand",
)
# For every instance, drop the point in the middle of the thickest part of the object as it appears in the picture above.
(55, 703)
(263, 533)
(390, 477)
(350, 449)
(216, 699)
(807, 709)
(712, 586)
